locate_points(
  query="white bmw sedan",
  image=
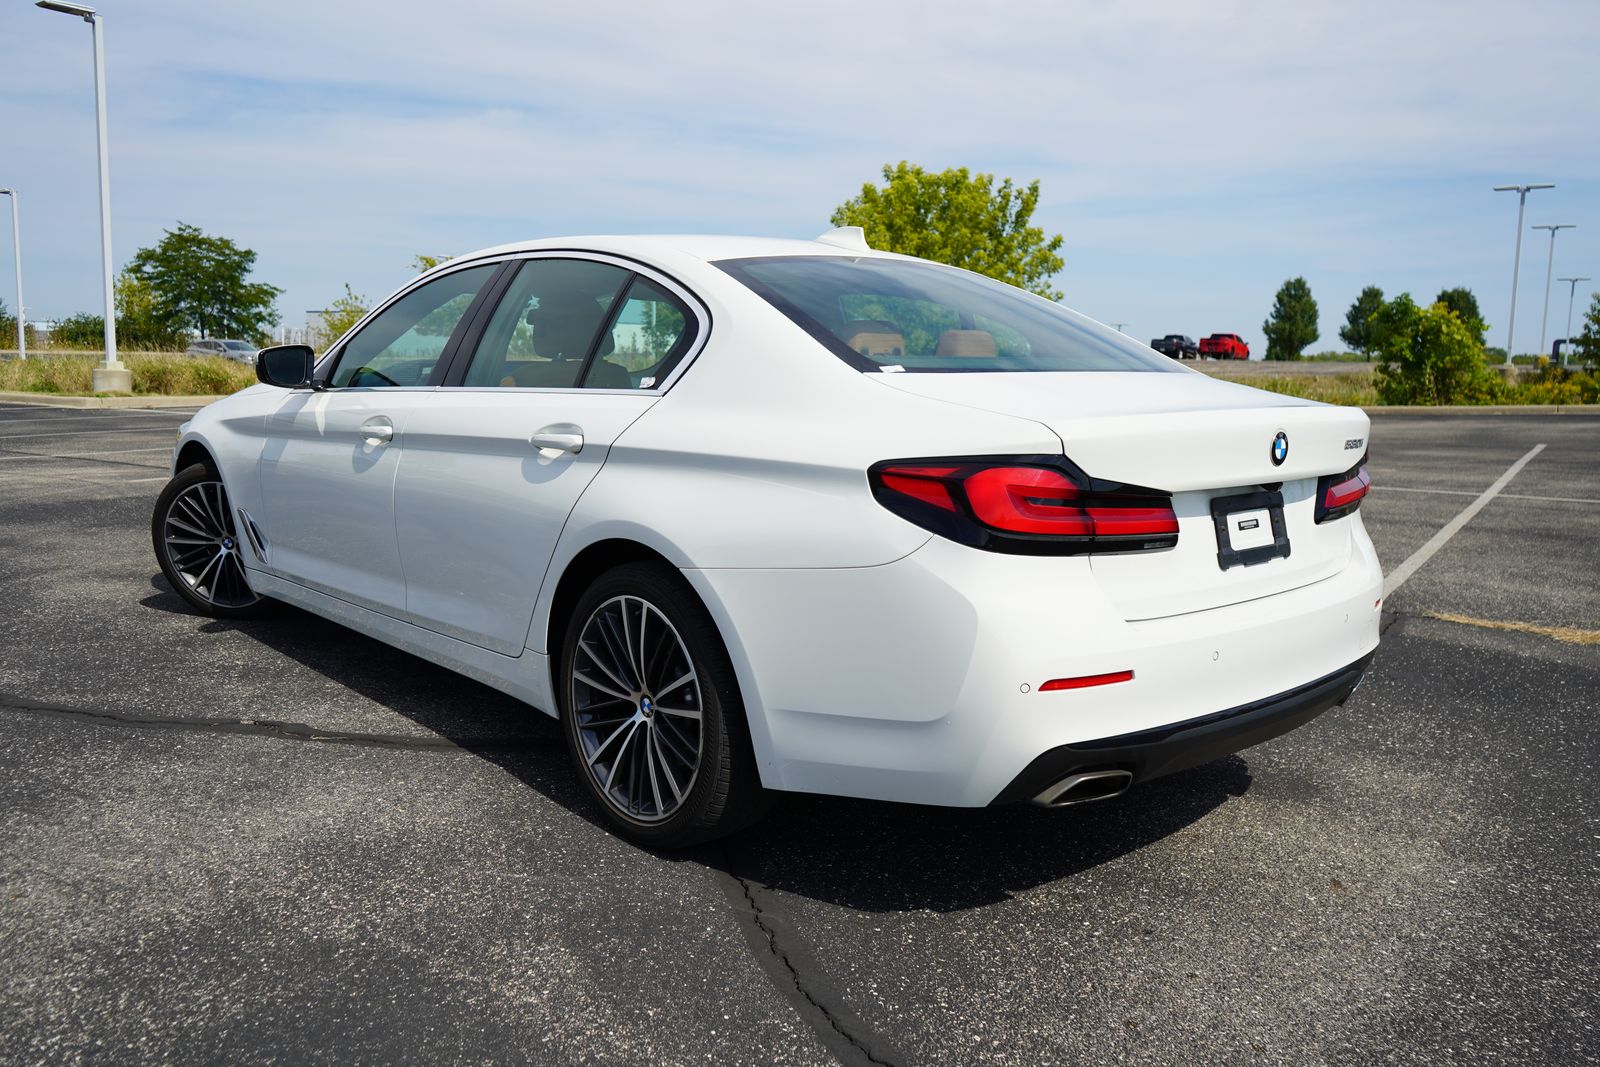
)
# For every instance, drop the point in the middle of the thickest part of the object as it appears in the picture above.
(762, 515)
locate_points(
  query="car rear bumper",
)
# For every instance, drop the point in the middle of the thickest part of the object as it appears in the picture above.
(1151, 753)
(921, 680)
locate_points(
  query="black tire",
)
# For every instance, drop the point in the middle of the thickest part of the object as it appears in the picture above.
(614, 731)
(197, 544)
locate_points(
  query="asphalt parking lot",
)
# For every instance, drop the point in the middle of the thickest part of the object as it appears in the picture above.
(282, 841)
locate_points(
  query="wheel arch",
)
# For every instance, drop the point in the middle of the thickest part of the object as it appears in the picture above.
(579, 573)
(194, 451)
(600, 556)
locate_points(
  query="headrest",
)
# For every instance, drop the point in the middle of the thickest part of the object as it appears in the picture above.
(974, 343)
(875, 337)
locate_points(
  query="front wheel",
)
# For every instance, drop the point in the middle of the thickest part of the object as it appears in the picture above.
(198, 547)
(652, 713)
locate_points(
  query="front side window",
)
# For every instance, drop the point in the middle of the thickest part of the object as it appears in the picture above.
(906, 315)
(402, 345)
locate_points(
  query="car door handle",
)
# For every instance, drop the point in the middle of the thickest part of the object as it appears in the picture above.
(562, 437)
(378, 430)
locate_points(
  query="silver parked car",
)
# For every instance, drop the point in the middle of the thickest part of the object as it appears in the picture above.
(243, 351)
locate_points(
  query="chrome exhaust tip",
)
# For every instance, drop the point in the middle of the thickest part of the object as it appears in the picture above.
(1083, 787)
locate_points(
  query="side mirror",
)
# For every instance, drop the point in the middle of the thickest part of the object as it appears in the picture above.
(286, 366)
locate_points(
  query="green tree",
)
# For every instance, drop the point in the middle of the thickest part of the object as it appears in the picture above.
(338, 317)
(140, 322)
(201, 283)
(82, 330)
(1430, 356)
(1357, 329)
(1465, 305)
(1588, 342)
(423, 264)
(958, 218)
(1293, 322)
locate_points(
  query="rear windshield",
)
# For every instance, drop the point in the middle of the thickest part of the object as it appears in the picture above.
(908, 315)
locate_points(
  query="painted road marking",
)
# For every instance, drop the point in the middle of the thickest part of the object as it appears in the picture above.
(79, 433)
(1398, 576)
(1508, 496)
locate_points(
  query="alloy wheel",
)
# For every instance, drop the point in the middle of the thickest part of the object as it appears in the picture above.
(203, 548)
(637, 706)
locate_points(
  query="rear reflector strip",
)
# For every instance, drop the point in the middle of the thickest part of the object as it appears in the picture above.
(1086, 681)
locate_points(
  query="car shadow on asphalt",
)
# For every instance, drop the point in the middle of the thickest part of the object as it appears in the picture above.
(864, 855)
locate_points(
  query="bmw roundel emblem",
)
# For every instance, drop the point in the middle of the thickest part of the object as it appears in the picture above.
(1280, 449)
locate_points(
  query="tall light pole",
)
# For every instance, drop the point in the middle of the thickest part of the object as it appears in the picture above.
(1572, 291)
(16, 250)
(1516, 262)
(111, 376)
(1549, 268)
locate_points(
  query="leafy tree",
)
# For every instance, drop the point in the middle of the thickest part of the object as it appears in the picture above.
(1588, 342)
(958, 218)
(200, 282)
(1357, 329)
(1293, 322)
(1430, 356)
(338, 317)
(82, 330)
(423, 264)
(1465, 305)
(140, 322)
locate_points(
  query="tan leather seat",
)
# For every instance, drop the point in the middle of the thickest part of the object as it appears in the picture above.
(875, 338)
(975, 344)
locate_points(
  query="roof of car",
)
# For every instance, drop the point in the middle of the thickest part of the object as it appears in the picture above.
(709, 247)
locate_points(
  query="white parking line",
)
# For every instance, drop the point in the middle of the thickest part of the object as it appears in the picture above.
(80, 433)
(7, 423)
(1508, 496)
(84, 455)
(1398, 576)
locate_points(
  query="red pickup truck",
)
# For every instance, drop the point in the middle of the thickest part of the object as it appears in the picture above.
(1224, 346)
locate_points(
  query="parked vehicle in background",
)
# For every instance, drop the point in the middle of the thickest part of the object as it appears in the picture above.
(1177, 346)
(1224, 346)
(243, 351)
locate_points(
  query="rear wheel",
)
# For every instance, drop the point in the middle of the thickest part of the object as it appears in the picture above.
(652, 713)
(198, 547)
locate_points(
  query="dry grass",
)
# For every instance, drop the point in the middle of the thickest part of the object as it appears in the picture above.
(1572, 635)
(154, 374)
(1354, 389)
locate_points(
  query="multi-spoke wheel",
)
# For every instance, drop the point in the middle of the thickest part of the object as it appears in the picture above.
(652, 711)
(198, 546)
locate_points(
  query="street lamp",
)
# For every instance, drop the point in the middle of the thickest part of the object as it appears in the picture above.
(1572, 291)
(1516, 263)
(1549, 268)
(111, 376)
(16, 250)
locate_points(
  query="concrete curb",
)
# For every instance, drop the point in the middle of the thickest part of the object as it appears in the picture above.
(52, 400)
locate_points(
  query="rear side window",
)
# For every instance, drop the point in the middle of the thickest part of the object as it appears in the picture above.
(909, 315)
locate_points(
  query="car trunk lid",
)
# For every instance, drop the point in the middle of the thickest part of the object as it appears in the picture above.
(1201, 440)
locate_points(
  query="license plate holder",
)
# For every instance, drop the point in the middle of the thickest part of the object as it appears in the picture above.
(1225, 509)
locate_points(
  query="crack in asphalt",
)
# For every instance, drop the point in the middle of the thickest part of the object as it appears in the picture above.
(786, 965)
(288, 731)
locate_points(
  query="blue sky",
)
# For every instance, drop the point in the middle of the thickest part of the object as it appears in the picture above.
(1193, 155)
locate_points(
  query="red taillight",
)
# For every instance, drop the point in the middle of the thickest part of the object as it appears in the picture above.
(1340, 494)
(1033, 507)
(1086, 681)
(1029, 500)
